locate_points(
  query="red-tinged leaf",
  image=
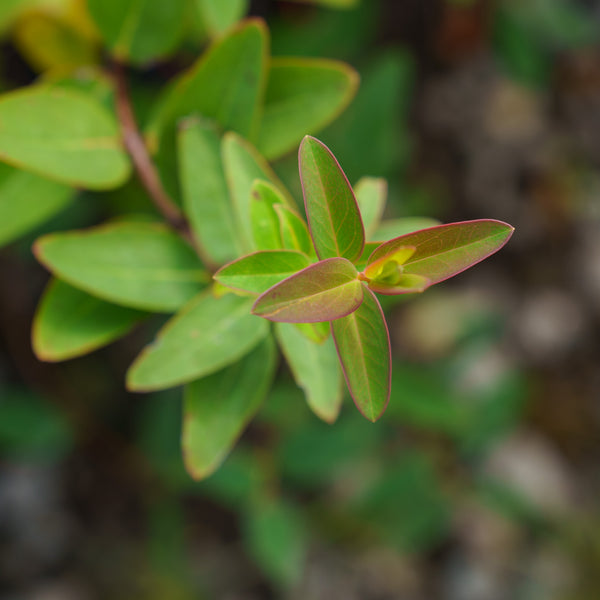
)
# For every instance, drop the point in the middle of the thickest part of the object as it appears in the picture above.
(326, 290)
(257, 272)
(333, 216)
(446, 250)
(363, 344)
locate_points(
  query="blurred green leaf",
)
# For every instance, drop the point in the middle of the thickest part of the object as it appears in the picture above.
(257, 272)
(207, 335)
(315, 368)
(141, 265)
(322, 291)
(69, 322)
(26, 200)
(303, 95)
(363, 345)
(219, 15)
(333, 217)
(62, 134)
(276, 537)
(139, 31)
(394, 228)
(264, 220)
(205, 195)
(218, 408)
(371, 195)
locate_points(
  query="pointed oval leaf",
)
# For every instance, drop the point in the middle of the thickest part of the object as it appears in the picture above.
(207, 335)
(316, 370)
(218, 407)
(243, 165)
(303, 95)
(323, 291)
(333, 216)
(141, 265)
(446, 250)
(205, 194)
(263, 218)
(294, 232)
(27, 200)
(363, 344)
(257, 272)
(371, 195)
(64, 135)
(139, 31)
(70, 323)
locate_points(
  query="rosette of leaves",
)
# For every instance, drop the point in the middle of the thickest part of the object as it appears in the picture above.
(331, 275)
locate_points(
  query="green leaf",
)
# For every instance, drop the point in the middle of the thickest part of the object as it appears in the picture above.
(315, 332)
(321, 292)
(363, 345)
(226, 84)
(26, 201)
(303, 94)
(333, 216)
(219, 16)
(446, 250)
(70, 323)
(205, 194)
(139, 31)
(218, 407)
(207, 335)
(293, 230)
(315, 368)
(371, 194)
(257, 272)
(243, 165)
(141, 265)
(263, 218)
(394, 228)
(62, 134)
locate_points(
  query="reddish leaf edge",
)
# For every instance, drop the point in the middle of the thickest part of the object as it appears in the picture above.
(389, 354)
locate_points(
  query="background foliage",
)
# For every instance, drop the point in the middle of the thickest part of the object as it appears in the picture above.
(480, 482)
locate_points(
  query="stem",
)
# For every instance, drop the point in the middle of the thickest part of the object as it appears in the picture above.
(136, 147)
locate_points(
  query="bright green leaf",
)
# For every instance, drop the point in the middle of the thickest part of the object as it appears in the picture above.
(219, 15)
(26, 201)
(70, 323)
(333, 216)
(219, 406)
(293, 231)
(371, 194)
(62, 134)
(303, 95)
(446, 250)
(396, 227)
(257, 272)
(363, 345)
(139, 31)
(315, 332)
(321, 292)
(315, 368)
(207, 335)
(141, 265)
(263, 218)
(205, 194)
(243, 165)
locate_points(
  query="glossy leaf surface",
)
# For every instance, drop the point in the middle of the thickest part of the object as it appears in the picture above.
(316, 370)
(207, 335)
(218, 407)
(333, 216)
(371, 194)
(141, 265)
(70, 323)
(139, 31)
(205, 194)
(303, 95)
(323, 291)
(27, 200)
(64, 135)
(363, 345)
(257, 272)
(446, 250)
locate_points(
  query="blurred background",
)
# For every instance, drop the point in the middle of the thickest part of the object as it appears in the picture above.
(481, 481)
